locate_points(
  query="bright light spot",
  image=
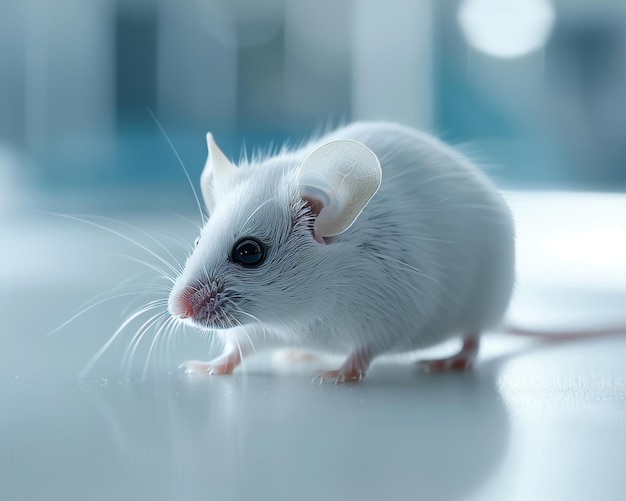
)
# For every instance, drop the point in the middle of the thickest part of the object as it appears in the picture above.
(507, 29)
(604, 245)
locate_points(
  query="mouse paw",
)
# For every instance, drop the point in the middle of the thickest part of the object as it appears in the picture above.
(197, 367)
(352, 371)
(462, 361)
(446, 364)
(224, 364)
(339, 376)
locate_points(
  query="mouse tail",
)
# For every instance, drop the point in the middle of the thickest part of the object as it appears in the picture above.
(564, 335)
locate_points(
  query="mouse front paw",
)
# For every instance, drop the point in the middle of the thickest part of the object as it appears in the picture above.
(224, 364)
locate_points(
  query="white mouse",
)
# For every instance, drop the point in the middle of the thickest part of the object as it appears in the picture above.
(372, 239)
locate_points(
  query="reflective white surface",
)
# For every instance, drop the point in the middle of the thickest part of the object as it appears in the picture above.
(533, 421)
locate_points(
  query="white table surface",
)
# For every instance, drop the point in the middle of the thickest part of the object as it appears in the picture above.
(533, 421)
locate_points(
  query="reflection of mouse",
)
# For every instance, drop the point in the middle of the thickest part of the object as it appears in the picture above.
(372, 239)
(156, 435)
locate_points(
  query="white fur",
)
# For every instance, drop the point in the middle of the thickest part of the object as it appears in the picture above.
(431, 256)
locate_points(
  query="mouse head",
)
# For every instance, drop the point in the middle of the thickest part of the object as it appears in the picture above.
(266, 255)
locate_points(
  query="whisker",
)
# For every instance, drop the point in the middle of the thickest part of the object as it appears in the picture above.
(242, 363)
(151, 290)
(145, 233)
(245, 330)
(89, 308)
(255, 211)
(154, 304)
(180, 161)
(412, 268)
(169, 337)
(243, 327)
(142, 262)
(97, 300)
(188, 219)
(168, 340)
(129, 352)
(118, 234)
(85, 370)
(164, 323)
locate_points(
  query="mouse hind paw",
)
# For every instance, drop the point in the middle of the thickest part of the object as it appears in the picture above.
(462, 361)
(352, 371)
(339, 376)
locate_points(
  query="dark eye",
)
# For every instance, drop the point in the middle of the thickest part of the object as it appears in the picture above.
(196, 242)
(248, 252)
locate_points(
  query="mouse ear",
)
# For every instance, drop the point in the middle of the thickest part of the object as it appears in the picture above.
(338, 180)
(216, 169)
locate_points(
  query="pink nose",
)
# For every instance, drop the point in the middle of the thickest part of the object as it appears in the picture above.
(183, 306)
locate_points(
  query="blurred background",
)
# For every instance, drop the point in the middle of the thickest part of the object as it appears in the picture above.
(534, 90)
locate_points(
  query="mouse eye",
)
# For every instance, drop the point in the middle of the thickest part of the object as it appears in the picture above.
(196, 241)
(248, 252)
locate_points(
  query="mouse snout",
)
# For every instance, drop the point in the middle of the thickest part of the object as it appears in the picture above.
(182, 305)
(204, 304)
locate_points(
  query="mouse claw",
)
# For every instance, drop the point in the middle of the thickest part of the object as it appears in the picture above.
(352, 371)
(195, 367)
(338, 376)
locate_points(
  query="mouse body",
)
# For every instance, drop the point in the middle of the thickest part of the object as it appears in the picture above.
(374, 238)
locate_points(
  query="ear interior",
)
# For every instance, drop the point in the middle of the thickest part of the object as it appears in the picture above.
(316, 205)
(338, 180)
